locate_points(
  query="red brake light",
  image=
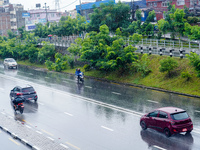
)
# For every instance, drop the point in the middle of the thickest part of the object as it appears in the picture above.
(18, 94)
(35, 92)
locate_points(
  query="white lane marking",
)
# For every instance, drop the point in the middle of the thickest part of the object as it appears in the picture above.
(152, 101)
(28, 126)
(64, 146)
(76, 96)
(197, 111)
(40, 103)
(107, 128)
(196, 129)
(68, 114)
(11, 117)
(50, 138)
(116, 93)
(3, 113)
(196, 132)
(65, 81)
(88, 87)
(159, 147)
(39, 132)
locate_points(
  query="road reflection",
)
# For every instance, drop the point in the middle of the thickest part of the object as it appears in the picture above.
(175, 142)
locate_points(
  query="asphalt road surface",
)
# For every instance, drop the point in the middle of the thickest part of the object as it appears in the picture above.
(95, 115)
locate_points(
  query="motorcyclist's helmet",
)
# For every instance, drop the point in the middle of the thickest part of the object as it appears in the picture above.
(78, 69)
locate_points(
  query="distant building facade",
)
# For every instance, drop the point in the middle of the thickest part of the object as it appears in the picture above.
(72, 13)
(161, 5)
(42, 16)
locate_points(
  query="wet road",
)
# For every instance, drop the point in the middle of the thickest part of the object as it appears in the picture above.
(79, 115)
(9, 143)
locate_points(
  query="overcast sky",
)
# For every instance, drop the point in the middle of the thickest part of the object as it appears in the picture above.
(64, 4)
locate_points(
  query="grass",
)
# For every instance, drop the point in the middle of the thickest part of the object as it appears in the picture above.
(154, 79)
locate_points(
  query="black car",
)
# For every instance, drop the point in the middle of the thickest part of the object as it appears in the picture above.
(27, 93)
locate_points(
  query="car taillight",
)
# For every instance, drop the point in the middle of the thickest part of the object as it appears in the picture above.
(172, 122)
(35, 92)
(18, 94)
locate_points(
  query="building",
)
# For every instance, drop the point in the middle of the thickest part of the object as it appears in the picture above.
(4, 23)
(86, 9)
(161, 5)
(42, 16)
(17, 21)
(72, 13)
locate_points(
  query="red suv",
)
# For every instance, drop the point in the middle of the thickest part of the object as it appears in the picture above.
(169, 120)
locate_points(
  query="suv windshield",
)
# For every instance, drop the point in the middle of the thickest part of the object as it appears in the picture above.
(179, 116)
(29, 89)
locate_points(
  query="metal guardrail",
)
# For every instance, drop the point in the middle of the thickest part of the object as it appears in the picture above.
(177, 48)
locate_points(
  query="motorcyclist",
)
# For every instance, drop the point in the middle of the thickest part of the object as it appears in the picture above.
(16, 101)
(78, 71)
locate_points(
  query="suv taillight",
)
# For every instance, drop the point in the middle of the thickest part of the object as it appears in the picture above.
(35, 92)
(19, 94)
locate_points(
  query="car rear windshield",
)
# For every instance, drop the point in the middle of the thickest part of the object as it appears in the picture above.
(180, 116)
(29, 89)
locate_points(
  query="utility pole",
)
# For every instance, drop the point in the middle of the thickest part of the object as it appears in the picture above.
(45, 7)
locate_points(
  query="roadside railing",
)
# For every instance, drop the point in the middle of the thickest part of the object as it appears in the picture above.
(152, 46)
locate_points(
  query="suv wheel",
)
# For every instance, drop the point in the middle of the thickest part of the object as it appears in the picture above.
(35, 99)
(167, 132)
(143, 125)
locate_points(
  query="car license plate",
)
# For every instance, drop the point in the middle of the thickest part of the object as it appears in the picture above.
(29, 98)
(184, 130)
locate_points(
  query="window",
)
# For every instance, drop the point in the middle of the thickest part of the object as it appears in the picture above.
(179, 116)
(150, 4)
(52, 15)
(155, 4)
(153, 114)
(180, 2)
(164, 4)
(38, 15)
(163, 115)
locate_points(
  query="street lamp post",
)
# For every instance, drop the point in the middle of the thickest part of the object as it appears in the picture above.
(46, 11)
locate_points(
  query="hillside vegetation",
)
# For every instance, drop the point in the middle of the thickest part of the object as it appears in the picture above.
(156, 78)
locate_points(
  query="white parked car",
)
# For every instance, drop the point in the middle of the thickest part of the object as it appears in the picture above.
(10, 63)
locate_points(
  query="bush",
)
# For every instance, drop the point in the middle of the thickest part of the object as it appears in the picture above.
(186, 75)
(143, 65)
(87, 67)
(167, 65)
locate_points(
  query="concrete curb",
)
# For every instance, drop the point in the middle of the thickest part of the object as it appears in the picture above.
(23, 141)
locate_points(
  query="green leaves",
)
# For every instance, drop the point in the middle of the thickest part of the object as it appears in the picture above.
(167, 65)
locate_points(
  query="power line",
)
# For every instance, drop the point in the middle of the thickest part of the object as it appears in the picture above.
(69, 4)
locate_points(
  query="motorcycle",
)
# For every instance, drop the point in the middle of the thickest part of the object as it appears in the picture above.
(80, 77)
(19, 107)
(18, 104)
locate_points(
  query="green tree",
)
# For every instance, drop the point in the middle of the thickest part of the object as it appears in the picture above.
(178, 21)
(168, 65)
(113, 15)
(138, 14)
(11, 34)
(106, 53)
(163, 26)
(46, 52)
